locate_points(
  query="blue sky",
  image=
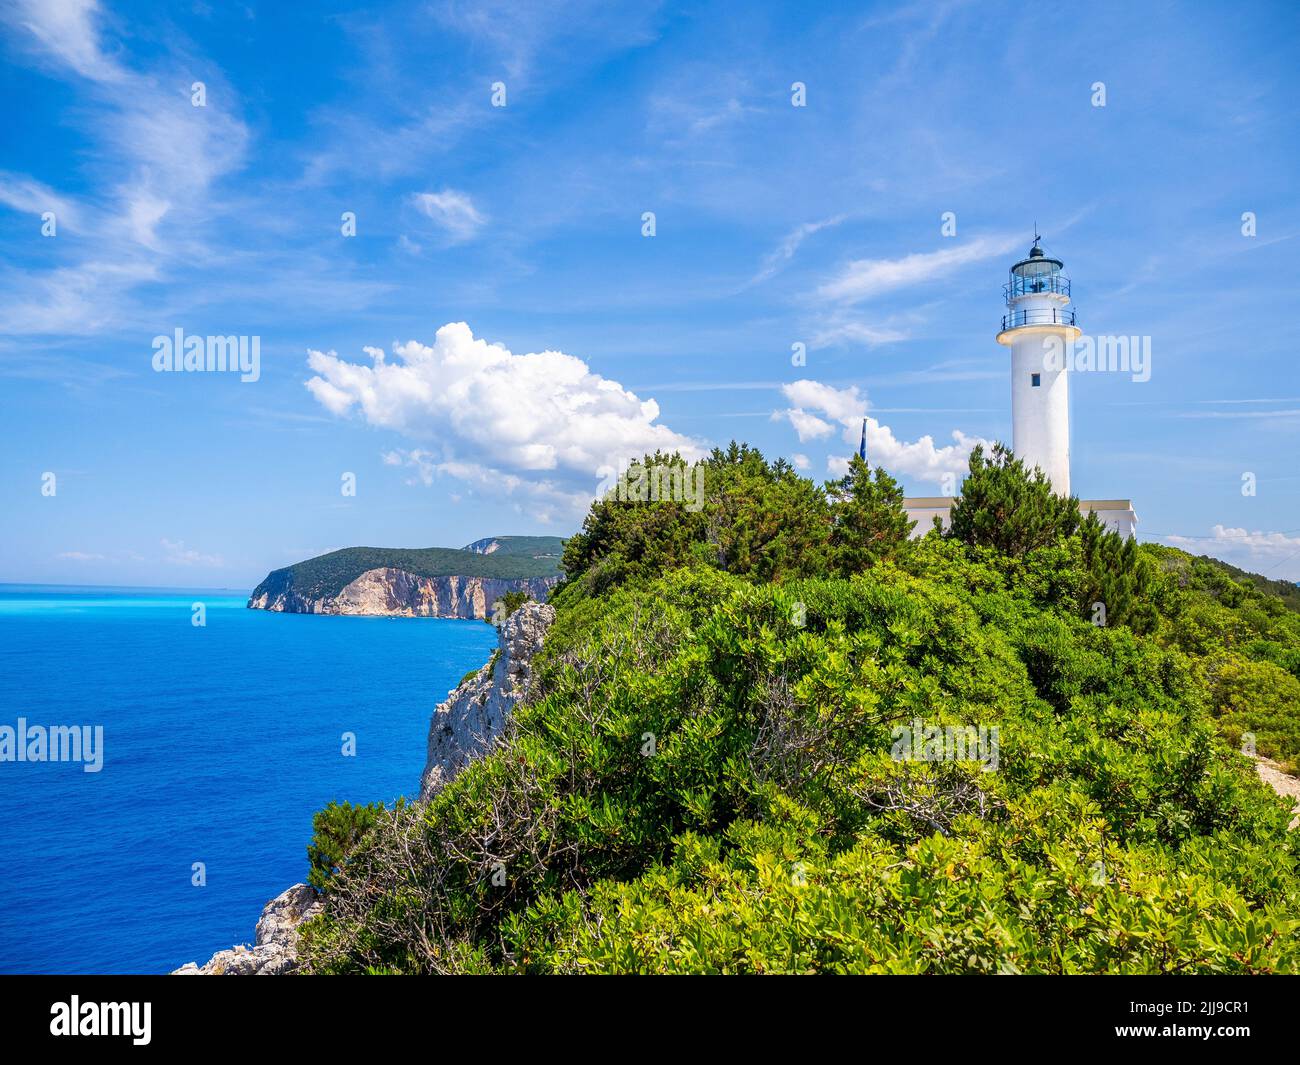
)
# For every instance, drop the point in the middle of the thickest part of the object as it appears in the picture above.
(775, 225)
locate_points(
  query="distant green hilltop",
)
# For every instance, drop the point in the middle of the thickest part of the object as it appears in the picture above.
(1287, 591)
(500, 557)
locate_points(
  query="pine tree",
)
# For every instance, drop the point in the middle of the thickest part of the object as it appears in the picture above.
(868, 523)
(1004, 506)
(1117, 576)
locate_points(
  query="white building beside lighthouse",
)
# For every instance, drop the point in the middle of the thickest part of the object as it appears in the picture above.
(1038, 321)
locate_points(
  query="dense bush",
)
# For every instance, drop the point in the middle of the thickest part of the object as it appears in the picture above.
(1260, 699)
(868, 524)
(1118, 577)
(757, 519)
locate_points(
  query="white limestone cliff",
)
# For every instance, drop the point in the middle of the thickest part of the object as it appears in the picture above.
(474, 715)
(396, 593)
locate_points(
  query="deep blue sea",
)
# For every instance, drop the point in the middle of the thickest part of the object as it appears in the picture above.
(219, 743)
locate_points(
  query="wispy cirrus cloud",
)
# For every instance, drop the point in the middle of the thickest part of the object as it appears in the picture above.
(25, 194)
(68, 31)
(1283, 414)
(453, 211)
(699, 103)
(158, 160)
(177, 554)
(776, 259)
(863, 279)
(547, 498)
(842, 329)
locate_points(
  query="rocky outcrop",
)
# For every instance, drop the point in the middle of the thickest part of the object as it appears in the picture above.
(275, 951)
(396, 593)
(475, 714)
(1281, 782)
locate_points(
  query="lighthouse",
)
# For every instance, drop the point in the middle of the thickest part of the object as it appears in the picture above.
(1039, 329)
(1038, 322)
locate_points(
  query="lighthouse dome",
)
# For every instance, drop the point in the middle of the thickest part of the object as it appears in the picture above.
(1037, 264)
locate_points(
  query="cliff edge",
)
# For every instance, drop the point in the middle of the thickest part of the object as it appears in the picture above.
(392, 592)
(474, 715)
(275, 951)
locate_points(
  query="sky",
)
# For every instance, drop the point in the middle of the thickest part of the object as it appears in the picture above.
(487, 251)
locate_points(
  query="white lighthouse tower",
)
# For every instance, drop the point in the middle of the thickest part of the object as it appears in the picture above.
(1038, 320)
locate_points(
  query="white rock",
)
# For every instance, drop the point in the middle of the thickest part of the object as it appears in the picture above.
(388, 592)
(275, 951)
(474, 715)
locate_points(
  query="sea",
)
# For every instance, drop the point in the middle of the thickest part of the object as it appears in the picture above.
(219, 742)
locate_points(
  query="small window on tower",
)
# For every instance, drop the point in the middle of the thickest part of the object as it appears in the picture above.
(1035, 379)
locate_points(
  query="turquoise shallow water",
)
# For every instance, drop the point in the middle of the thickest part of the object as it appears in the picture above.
(218, 745)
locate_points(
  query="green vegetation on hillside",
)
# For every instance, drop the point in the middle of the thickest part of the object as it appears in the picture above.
(531, 546)
(712, 771)
(1207, 578)
(327, 575)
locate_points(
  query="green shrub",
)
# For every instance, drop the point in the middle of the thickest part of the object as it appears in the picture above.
(1261, 699)
(336, 832)
(1119, 578)
(755, 519)
(868, 523)
(507, 605)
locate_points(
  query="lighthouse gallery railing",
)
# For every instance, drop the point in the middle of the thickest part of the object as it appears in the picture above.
(1054, 316)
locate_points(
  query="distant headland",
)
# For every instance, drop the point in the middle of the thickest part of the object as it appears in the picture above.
(430, 582)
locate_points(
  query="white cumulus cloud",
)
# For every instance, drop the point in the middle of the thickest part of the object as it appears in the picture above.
(540, 424)
(817, 408)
